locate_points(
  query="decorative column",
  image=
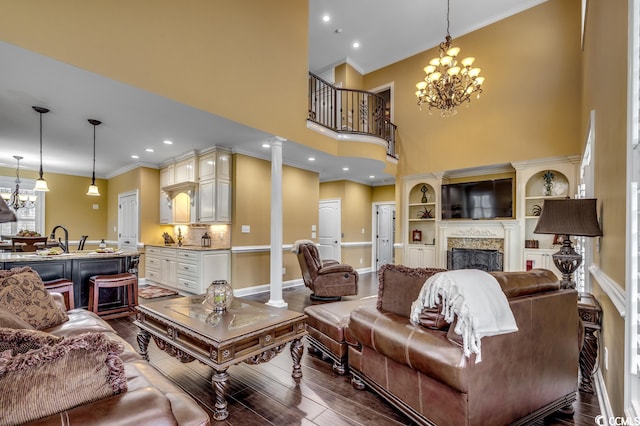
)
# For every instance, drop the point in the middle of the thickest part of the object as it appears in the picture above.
(276, 224)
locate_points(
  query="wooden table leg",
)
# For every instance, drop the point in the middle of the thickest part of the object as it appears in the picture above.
(143, 342)
(591, 315)
(297, 348)
(220, 383)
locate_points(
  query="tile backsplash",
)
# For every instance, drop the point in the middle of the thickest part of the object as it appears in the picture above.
(192, 236)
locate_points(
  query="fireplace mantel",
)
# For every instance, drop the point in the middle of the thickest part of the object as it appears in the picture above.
(505, 230)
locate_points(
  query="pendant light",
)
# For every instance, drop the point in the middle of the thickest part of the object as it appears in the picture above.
(93, 188)
(41, 184)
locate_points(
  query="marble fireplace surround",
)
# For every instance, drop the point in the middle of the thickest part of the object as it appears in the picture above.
(501, 235)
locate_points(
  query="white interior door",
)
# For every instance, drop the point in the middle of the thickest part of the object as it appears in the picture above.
(329, 229)
(128, 220)
(385, 228)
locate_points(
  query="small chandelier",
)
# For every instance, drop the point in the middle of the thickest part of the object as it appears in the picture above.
(93, 188)
(448, 84)
(16, 200)
(41, 184)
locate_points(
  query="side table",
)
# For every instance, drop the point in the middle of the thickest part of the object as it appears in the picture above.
(591, 316)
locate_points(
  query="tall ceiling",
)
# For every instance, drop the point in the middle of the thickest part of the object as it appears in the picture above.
(136, 120)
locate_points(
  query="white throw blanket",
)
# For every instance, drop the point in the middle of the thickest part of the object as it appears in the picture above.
(476, 298)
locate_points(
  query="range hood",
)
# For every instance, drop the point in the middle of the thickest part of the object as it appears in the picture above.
(188, 187)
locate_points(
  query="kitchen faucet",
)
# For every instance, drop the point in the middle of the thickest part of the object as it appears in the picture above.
(65, 245)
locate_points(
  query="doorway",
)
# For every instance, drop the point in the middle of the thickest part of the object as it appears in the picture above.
(330, 229)
(128, 220)
(384, 224)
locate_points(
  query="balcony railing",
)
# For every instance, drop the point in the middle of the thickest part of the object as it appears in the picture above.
(350, 111)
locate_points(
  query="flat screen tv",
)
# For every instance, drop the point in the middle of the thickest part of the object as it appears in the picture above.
(487, 199)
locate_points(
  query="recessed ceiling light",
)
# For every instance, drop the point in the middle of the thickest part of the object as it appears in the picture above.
(149, 149)
(345, 169)
(135, 156)
(168, 142)
(312, 159)
(326, 18)
(356, 44)
(266, 145)
(372, 177)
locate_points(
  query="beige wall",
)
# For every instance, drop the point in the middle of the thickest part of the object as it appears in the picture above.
(348, 76)
(605, 91)
(356, 200)
(200, 53)
(529, 108)
(252, 206)
(383, 193)
(67, 204)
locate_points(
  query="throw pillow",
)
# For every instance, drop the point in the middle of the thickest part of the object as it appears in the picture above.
(399, 286)
(10, 320)
(23, 293)
(41, 374)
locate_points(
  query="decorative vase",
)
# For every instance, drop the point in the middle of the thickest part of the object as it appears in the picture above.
(424, 190)
(219, 295)
(548, 182)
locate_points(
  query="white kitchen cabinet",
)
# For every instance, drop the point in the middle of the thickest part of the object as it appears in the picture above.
(421, 256)
(185, 170)
(167, 176)
(207, 201)
(187, 270)
(207, 166)
(223, 165)
(165, 208)
(223, 201)
(160, 265)
(214, 189)
(214, 201)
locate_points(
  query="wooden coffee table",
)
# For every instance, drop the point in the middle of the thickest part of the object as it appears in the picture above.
(247, 332)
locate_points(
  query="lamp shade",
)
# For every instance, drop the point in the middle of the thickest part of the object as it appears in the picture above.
(569, 217)
(41, 185)
(6, 215)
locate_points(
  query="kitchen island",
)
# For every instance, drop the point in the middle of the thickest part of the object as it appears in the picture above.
(78, 267)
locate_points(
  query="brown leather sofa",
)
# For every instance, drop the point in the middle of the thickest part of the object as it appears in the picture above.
(523, 375)
(328, 280)
(151, 399)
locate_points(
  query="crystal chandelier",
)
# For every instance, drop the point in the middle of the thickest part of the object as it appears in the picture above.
(448, 84)
(17, 200)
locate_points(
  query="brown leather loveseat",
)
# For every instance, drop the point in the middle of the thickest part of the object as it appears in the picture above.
(523, 375)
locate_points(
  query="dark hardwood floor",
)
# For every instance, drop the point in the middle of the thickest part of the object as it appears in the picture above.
(265, 394)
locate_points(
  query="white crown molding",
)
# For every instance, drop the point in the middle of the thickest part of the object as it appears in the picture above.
(129, 167)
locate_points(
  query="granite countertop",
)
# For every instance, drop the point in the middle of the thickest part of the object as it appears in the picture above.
(84, 254)
(188, 247)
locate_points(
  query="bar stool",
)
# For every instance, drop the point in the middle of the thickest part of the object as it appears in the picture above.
(125, 280)
(63, 286)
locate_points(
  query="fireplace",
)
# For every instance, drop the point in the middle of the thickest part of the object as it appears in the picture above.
(463, 258)
(492, 244)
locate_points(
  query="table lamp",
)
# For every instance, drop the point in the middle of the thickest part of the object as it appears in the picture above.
(6, 215)
(567, 217)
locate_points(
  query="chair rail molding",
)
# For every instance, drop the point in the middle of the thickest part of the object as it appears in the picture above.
(611, 288)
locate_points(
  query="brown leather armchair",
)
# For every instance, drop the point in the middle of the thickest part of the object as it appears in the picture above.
(328, 280)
